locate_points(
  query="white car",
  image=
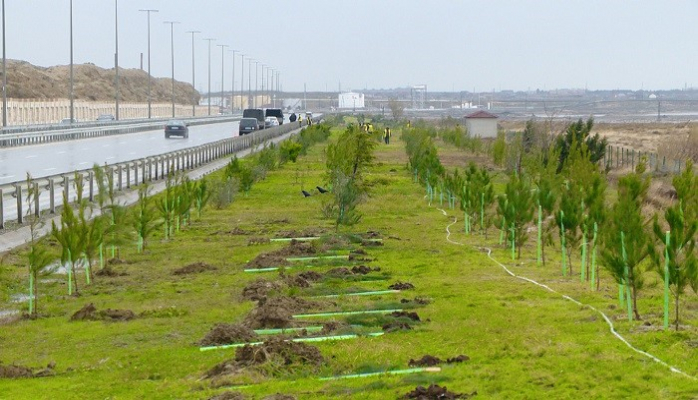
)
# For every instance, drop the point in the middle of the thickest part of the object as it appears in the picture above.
(270, 122)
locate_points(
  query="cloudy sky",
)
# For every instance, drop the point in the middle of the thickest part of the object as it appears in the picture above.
(445, 44)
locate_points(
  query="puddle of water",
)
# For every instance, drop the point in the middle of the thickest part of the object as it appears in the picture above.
(8, 313)
(19, 298)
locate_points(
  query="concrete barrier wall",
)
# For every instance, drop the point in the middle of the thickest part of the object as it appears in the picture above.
(39, 111)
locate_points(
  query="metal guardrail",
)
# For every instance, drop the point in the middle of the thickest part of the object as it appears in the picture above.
(57, 133)
(125, 174)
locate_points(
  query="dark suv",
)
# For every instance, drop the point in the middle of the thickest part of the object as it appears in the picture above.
(248, 125)
(275, 112)
(256, 113)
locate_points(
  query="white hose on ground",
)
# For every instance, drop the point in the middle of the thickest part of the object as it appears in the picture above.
(605, 317)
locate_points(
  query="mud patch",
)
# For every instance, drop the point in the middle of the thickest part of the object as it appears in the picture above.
(426, 361)
(18, 371)
(339, 272)
(229, 396)
(118, 261)
(334, 326)
(279, 396)
(401, 286)
(109, 271)
(364, 270)
(222, 334)
(276, 312)
(422, 301)
(296, 281)
(194, 268)
(435, 392)
(406, 314)
(267, 260)
(395, 326)
(310, 276)
(259, 289)
(90, 313)
(458, 359)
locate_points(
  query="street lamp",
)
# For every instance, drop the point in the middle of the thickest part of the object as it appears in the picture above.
(256, 81)
(149, 76)
(242, 79)
(172, 24)
(249, 81)
(209, 74)
(72, 95)
(232, 84)
(4, 71)
(262, 82)
(116, 56)
(193, 70)
(222, 46)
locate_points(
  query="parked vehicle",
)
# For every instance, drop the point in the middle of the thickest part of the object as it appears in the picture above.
(275, 112)
(106, 117)
(177, 128)
(256, 113)
(248, 125)
(270, 122)
(69, 121)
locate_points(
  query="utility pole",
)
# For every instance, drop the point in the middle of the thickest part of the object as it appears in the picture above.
(222, 46)
(149, 75)
(232, 84)
(256, 81)
(4, 71)
(242, 80)
(116, 56)
(72, 94)
(209, 74)
(193, 68)
(249, 82)
(172, 24)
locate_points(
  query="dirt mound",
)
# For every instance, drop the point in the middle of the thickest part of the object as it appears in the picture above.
(108, 271)
(458, 359)
(259, 289)
(194, 268)
(239, 231)
(395, 326)
(279, 396)
(296, 281)
(435, 392)
(257, 240)
(426, 361)
(401, 286)
(309, 232)
(371, 235)
(118, 261)
(360, 252)
(285, 353)
(229, 396)
(371, 243)
(407, 314)
(267, 260)
(417, 300)
(363, 270)
(276, 312)
(222, 334)
(334, 326)
(297, 249)
(90, 313)
(310, 276)
(19, 371)
(339, 272)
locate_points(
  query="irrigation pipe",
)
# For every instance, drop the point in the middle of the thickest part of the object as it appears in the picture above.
(309, 339)
(292, 259)
(566, 297)
(298, 239)
(375, 292)
(332, 314)
(393, 372)
(271, 269)
(284, 330)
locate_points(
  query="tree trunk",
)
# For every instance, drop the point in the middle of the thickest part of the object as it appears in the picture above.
(569, 261)
(75, 278)
(677, 311)
(634, 294)
(35, 293)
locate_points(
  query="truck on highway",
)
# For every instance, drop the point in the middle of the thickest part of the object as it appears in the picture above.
(256, 113)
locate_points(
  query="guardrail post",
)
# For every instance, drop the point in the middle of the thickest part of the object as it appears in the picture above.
(92, 186)
(52, 192)
(2, 212)
(128, 176)
(157, 161)
(36, 199)
(120, 172)
(66, 189)
(150, 170)
(18, 192)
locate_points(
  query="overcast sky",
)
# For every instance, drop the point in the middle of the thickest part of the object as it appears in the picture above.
(447, 45)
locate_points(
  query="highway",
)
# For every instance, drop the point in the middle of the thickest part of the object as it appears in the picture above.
(54, 158)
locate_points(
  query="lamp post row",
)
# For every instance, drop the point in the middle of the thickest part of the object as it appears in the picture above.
(117, 93)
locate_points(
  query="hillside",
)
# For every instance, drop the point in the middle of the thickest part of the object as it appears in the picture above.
(27, 81)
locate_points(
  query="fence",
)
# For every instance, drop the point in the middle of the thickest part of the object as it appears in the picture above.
(618, 157)
(125, 175)
(29, 112)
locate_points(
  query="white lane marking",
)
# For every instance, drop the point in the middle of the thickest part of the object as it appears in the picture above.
(49, 169)
(7, 177)
(32, 156)
(60, 152)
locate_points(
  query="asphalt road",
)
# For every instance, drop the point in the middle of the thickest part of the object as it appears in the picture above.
(54, 158)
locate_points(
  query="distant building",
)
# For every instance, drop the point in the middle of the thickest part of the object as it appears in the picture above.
(351, 100)
(481, 124)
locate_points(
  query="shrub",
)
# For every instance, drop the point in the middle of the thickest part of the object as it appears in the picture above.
(289, 151)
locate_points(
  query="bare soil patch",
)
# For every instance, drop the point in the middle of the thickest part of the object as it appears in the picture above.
(296, 281)
(229, 396)
(279, 396)
(401, 286)
(194, 268)
(310, 276)
(430, 361)
(405, 314)
(278, 258)
(395, 326)
(259, 289)
(15, 371)
(90, 313)
(276, 312)
(334, 326)
(222, 334)
(422, 301)
(435, 392)
(109, 271)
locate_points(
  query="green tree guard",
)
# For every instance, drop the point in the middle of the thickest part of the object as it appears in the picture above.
(583, 269)
(513, 242)
(562, 242)
(31, 292)
(540, 235)
(666, 281)
(593, 258)
(627, 277)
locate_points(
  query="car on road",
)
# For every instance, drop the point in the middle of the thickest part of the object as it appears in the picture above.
(69, 121)
(248, 125)
(275, 112)
(106, 117)
(176, 127)
(257, 113)
(270, 122)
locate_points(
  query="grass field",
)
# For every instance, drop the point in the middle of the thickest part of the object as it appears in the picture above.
(523, 341)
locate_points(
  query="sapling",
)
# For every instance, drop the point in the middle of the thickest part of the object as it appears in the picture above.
(38, 256)
(144, 220)
(69, 236)
(515, 207)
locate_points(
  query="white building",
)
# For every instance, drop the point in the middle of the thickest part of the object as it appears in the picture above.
(351, 100)
(481, 124)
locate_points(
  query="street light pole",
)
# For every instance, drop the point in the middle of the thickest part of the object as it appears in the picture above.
(222, 46)
(249, 82)
(256, 81)
(193, 71)
(172, 24)
(232, 84)
(209, 74)
(262, 83)
(116, 56)
(4, 71)
(72, 95)
(149, 76)
(242, 80)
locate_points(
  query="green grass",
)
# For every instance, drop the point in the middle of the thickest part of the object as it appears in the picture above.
(524, 342)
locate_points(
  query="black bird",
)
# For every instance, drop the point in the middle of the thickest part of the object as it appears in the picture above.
(321, 190)
(305, 194)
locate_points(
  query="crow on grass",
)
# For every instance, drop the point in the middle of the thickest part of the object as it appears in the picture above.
(305, 194)
(321, 190)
